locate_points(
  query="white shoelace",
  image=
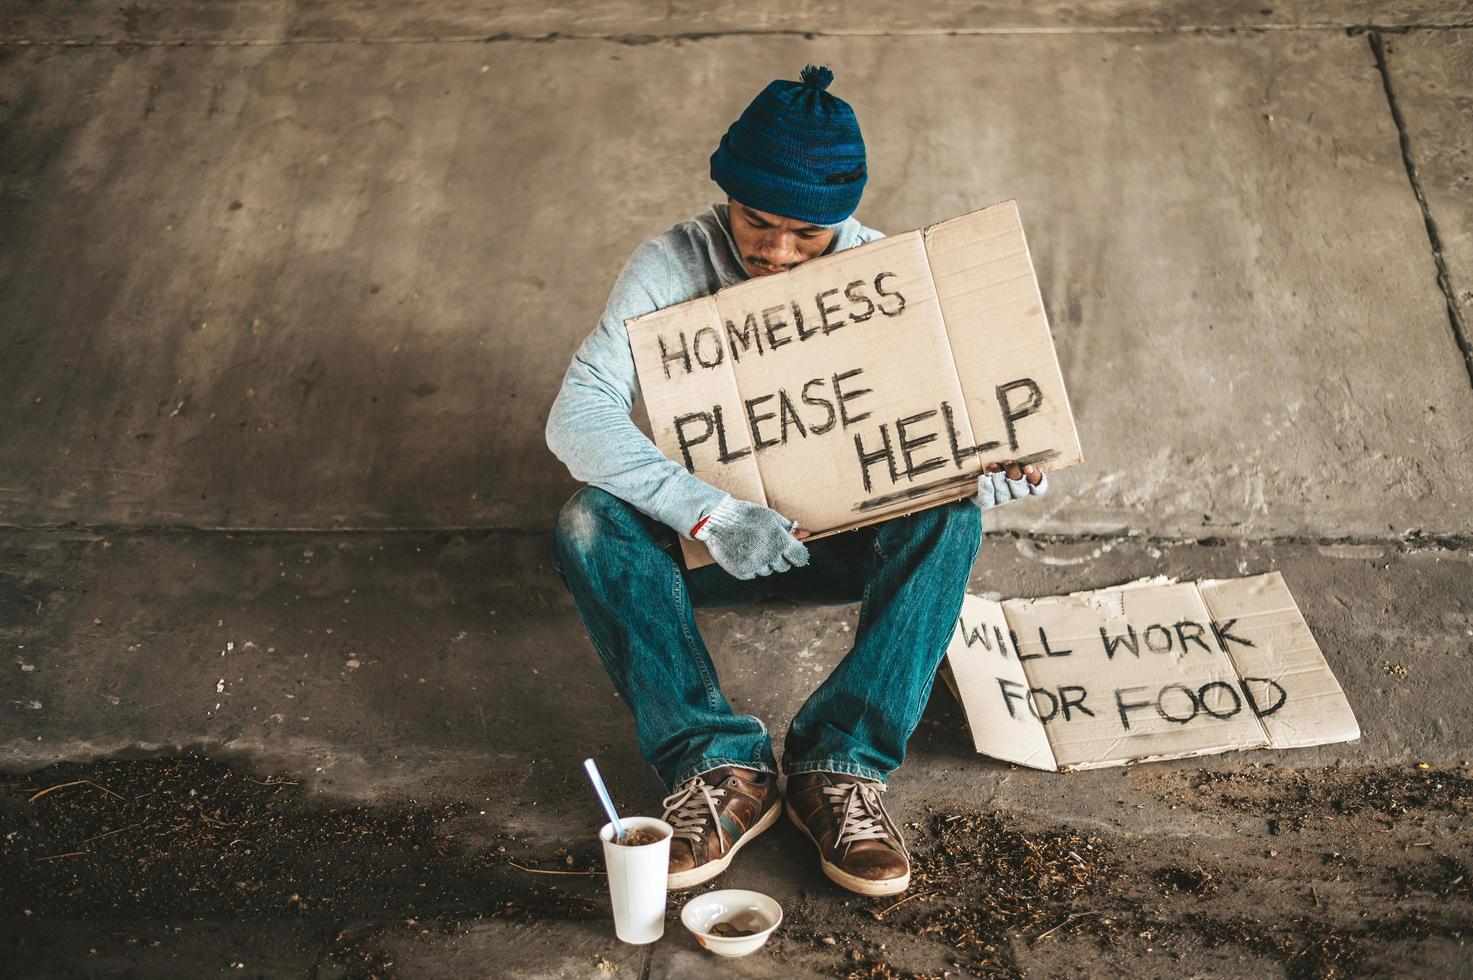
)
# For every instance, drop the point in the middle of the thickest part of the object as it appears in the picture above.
(687, 808)
(862, 815)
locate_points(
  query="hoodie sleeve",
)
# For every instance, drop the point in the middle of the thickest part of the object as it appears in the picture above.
(864, 235)
(589, 428)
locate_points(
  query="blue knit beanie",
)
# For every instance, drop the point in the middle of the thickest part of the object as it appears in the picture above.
(795, 152)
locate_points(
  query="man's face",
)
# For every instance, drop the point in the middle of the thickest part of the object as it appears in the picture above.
(770, 243)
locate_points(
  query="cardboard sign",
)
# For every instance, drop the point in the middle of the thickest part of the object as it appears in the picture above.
(863, 384)
(1149, 670)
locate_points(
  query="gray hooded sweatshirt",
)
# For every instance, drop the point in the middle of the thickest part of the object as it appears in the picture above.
(590, 428)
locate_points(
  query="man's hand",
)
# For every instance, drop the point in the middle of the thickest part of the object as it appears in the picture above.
(1002, 482)
(748, 539)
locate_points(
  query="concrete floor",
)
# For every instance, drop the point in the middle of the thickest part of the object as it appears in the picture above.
(286, 289)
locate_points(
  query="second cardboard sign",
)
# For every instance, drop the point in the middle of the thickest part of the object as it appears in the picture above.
(864, 384)
(1153, 669)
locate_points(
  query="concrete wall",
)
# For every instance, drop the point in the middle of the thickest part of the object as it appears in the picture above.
(312, 285)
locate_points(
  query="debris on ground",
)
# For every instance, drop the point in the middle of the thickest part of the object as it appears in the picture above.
(1317, 873)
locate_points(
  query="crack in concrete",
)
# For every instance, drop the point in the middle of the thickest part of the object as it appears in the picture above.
(1406, 28)
(1410, 541)
(1434, 238)
(678, 36)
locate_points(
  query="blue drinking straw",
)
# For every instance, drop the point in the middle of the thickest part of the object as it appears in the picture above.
(603, 797)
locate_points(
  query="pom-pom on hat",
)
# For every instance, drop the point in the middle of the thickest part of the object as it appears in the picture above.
(795, 152)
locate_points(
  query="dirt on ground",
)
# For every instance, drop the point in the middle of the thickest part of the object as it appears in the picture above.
(1329, 873)
(190, 838)
(1339, 873)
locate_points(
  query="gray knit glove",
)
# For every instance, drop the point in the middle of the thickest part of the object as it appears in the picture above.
(748, 539)
(995, 489)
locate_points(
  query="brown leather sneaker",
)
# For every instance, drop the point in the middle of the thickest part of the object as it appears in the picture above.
(858, 845)
(713, 814)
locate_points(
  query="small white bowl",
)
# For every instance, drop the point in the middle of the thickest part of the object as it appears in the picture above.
(743, 909)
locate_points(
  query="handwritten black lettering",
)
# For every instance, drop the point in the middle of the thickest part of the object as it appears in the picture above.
(798, 322)
(909, 446)
(859, 297)
(1010, 415)
(753, 419)
(1229, 690)
(1125, 707)
(1220, 632)
(886, 452)
(748, 336)
(718, 352)
(1252, 700)
(1128, 640)
(1188, 631)
(1049, 651)
(682, 355)
(1009, 695)
(773, 326)
(815, 400)
(845, 397)
(959, 453)
(1053, 702)
(899, 299)
(974, 635)
(825, 311)
(1161, 646)
(1191, 701)
(1066, 702)
(686, 441)
(787, 415)
(722, 453)
(1215, 699)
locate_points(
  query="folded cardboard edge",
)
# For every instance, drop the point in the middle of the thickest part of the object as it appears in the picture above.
(697, 555)
(949, 677)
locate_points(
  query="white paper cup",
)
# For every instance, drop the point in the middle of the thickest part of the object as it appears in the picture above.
(637, 880)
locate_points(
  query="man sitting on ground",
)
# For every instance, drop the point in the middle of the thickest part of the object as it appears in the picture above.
(793, 167)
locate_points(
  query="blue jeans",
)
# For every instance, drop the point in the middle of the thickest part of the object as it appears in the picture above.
(638, 604)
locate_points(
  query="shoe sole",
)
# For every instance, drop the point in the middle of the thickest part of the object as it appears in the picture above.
(680, 880)
(842, 878)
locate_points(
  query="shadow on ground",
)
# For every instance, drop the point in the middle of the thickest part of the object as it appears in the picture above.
(126, 865)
